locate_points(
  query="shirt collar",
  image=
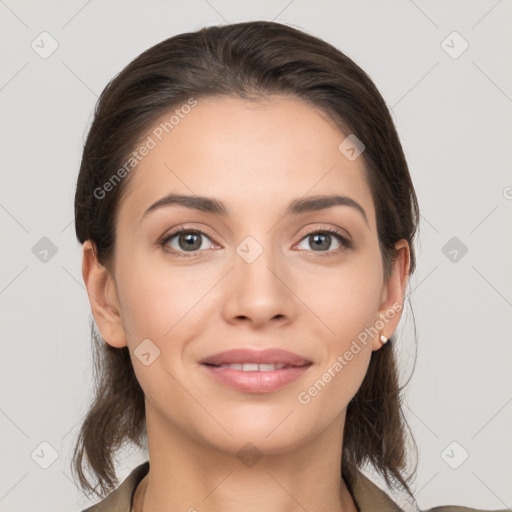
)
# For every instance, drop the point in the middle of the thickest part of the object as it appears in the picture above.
(367, 496)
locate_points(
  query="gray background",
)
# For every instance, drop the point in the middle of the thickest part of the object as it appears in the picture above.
(454, 119)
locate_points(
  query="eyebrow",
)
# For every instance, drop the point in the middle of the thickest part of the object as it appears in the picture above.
(296, 207)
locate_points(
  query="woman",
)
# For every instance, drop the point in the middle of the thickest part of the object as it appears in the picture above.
(247, 219)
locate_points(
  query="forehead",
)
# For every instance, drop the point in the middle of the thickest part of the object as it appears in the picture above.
(250, 155)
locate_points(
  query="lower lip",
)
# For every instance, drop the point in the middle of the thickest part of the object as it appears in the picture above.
(256, 382)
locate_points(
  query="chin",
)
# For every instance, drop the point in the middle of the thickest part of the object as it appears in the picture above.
(273, 436)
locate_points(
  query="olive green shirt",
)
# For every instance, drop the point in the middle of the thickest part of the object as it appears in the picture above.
(367, 496)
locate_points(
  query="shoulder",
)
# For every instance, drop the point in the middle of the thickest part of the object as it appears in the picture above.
(120, 500)
(369, 497)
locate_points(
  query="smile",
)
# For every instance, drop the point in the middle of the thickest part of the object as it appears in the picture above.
(255, 378)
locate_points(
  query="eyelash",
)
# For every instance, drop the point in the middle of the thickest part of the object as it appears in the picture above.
(345, 242)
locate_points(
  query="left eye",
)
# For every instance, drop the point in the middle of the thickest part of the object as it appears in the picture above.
(321, 240)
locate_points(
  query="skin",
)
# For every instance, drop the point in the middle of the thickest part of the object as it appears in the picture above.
(255, 158)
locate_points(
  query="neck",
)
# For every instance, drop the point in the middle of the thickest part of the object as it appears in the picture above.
(186, 475)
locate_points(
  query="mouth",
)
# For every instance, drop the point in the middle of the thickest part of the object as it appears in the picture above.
(252, 371)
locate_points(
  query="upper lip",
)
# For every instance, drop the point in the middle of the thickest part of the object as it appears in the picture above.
(268, 356)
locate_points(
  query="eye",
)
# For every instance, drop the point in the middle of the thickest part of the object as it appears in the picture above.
(187, 241)
(322, 239)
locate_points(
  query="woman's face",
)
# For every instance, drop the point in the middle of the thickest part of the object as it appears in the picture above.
(253, 276)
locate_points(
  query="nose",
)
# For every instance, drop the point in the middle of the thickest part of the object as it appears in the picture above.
(259, 292)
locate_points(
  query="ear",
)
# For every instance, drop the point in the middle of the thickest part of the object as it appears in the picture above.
(102, 294)
(393, 295)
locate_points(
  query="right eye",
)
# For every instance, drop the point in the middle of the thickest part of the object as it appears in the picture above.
(187, 241)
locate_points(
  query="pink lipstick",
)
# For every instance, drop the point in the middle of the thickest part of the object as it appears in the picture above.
(256, 371)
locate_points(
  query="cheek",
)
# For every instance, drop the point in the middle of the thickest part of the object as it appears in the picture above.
(348, 306)
(155, 297)
(346, 299)
(162, 310)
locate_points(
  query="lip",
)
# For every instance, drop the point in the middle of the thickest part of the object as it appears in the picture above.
(268, 356)
(256, 381)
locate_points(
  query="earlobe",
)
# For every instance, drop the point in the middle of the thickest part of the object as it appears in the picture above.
(103, 297)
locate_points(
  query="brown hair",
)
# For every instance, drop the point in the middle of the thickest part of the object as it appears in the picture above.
(248, 60)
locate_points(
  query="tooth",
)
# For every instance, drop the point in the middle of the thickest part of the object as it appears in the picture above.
(250, 367)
